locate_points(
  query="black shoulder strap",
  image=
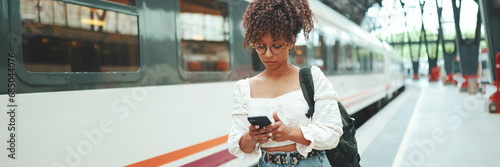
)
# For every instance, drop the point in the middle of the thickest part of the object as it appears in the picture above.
(307, 86)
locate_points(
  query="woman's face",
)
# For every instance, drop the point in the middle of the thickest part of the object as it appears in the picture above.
(272, 53)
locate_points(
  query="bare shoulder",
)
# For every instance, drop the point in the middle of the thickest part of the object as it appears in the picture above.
(257, 79)
(297, 69)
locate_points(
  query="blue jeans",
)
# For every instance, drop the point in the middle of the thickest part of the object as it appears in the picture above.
(314, 161)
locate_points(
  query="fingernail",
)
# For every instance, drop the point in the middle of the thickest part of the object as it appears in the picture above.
(256, 126)
(270, 134)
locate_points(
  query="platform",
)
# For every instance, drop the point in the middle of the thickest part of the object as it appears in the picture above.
(431, 124)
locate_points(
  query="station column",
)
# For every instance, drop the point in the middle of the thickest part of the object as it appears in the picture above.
(490, 11)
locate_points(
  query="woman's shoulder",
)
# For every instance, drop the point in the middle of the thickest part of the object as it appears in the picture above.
(241, 83)
(241, 91)
(316, 70)
(316, 73)
(256, 80)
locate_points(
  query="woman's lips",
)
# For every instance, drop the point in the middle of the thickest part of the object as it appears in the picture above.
(269, 62)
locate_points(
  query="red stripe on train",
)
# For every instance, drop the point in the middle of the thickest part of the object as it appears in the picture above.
(212, 160)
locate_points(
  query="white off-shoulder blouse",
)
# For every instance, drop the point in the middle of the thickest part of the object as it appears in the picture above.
(323, 130)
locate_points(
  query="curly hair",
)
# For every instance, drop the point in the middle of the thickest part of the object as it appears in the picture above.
(280, 18)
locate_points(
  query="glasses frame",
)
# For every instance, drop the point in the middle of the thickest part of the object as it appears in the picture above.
(270, 48)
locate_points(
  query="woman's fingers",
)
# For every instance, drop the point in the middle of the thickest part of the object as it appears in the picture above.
(263, 141)
(273, 132)
(280, 131)
(263, 138)
(253, 127)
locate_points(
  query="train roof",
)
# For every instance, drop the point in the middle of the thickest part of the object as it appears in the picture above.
(343, 28)
(327, 17)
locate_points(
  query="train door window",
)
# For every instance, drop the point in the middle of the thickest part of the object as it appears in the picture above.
(66, 37)
(204, 32)
(124, 2)
(299, 53)
(336, 55)
(347, 64)
(320, 51)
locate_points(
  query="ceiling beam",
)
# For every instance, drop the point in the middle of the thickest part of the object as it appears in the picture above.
(353, 9)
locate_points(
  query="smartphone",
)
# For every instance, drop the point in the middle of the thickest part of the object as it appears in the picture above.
(259, 120)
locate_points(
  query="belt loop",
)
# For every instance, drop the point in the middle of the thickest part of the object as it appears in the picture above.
(288, 158)
(264, 155)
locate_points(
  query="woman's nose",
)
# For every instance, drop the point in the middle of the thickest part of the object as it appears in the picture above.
(268, 53)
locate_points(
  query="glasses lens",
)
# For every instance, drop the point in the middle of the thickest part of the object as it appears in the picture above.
(277, 49)
(260, 49)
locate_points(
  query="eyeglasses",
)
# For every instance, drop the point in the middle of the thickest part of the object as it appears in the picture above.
(275, 49)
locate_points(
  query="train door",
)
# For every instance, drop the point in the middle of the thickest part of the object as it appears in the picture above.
(320, 52)
(242, 61)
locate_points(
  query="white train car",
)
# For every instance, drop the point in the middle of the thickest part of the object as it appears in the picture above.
(149, 82)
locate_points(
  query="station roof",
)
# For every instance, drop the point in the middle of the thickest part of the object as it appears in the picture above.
(353, 9)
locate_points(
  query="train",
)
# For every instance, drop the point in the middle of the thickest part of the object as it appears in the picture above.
(149, 82)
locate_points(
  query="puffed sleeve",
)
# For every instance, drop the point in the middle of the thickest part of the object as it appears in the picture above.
(240, 124)
(326, 127)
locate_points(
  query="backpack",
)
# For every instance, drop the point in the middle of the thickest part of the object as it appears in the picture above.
(346, 153)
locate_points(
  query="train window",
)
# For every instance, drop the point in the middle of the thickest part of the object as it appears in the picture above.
(204, 32)
(65, 37)
(378, 62)
(350, 58)
(320, 51)
(364, 59)
(300, 55)
(346, 59)
(355, 59)
(124, 2)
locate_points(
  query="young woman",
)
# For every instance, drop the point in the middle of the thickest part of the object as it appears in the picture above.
(292, 138)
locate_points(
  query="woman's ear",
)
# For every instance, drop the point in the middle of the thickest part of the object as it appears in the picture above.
(291, 45)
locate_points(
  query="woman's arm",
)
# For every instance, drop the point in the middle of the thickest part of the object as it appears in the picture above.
(326, 127)
(255, 135)
(239, 138)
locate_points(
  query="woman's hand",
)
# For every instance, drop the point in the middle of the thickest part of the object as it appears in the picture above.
(259, 135)
(254, 136)
(281, 132)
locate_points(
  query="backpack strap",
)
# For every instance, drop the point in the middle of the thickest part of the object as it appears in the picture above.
(307, 86)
